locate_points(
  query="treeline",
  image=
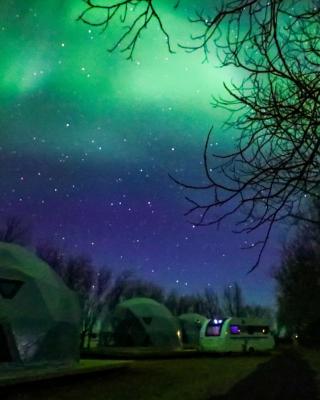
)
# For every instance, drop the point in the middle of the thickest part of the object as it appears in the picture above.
(298, 281)
(99, 287)
(297, 277)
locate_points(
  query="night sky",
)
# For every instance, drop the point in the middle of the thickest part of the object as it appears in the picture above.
(88, 139)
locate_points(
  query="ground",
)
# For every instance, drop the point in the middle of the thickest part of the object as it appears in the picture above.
(288, 374)
(14, 376)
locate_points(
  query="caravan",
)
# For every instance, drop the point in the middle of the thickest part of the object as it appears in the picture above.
(236, 335)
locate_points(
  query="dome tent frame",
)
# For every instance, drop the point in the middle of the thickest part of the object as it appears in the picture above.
(142, 322)
(39, 315)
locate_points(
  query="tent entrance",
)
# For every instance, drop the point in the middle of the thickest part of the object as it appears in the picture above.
(5, 353)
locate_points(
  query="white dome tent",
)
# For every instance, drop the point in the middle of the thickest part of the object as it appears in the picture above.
(39, 315)
(143, 322)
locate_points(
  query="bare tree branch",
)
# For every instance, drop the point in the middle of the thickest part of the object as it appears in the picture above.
(136, 14)
(15, 230)
(274, 168)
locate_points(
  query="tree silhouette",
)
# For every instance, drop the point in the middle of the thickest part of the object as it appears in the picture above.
(16, 230)
(273, 169)
(233, 302)
(298, 283)
(136, 14)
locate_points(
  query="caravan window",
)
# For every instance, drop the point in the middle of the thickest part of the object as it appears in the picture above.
(235, 330)
(256, 329)
(214, 327)
(249, 329)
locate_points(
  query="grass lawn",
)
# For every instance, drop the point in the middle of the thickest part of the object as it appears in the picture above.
(194, 378)
(289, 373)
(312, 356)
(19, 374)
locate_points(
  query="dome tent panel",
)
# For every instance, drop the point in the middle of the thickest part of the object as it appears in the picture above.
(153, 323)
(5, 351)
(190, 324)
(57, 344)
(128, 329)
(8, 349)
(27, 268)
(32, 321)
(27, 314)
(43, 315)
(164, 332)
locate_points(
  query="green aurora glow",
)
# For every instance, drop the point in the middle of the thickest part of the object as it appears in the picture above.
(75, 119)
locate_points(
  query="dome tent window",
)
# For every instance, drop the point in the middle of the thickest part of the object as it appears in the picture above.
(147, 320)
(9, 287)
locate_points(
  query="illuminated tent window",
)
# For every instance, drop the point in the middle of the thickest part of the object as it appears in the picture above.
(9, 287)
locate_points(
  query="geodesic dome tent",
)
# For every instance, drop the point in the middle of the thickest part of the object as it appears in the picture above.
(39, 315)
(190, 325)
(144, 322)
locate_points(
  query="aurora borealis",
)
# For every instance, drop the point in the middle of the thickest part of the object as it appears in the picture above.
(88, 139)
